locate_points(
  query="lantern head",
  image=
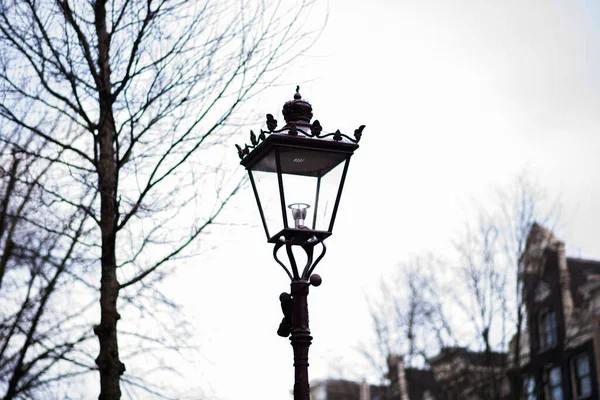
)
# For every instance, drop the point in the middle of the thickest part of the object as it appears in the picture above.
(297, 174)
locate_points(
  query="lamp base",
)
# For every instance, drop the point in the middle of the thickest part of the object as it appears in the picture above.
(299, 236)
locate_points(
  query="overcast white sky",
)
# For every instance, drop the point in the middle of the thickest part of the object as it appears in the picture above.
(457, 97)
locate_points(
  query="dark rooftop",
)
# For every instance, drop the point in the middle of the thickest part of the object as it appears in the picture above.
(471, 357)
(579, 270)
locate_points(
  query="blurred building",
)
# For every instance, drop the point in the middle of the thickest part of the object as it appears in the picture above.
(338, 389)
(405, 383)
(559, 346)
(558, 343)
(463, 374)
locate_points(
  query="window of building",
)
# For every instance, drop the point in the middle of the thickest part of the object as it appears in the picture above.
(583, 377)
(529, 388)
(553, 384)
(548, 329)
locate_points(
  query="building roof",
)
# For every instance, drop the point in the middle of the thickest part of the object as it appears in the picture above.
(579, 271)
(541, 239)
(478, 358)
(339, 389)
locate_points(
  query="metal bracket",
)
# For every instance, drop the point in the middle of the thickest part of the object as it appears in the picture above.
(311, 263)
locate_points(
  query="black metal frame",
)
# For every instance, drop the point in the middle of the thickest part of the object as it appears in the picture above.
(298, 133)
(262, 146)
(275, 143)
(294, 274)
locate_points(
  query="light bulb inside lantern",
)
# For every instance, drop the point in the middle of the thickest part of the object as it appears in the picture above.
(299, 214)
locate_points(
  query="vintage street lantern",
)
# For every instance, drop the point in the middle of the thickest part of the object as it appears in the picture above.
(297, 174)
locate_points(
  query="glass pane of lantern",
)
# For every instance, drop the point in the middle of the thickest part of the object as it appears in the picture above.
(328, 190)
(303, 170)
(267, 188)
(300, 193)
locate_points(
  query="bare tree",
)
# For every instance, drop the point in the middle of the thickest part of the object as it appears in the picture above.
(523, 203)
(482, 292)
(409, 318)
(489, 287)
(39, 343)
(130, 98)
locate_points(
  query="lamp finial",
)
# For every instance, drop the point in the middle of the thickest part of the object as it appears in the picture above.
(297, 111)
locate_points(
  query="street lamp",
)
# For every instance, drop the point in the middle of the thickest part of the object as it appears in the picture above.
(297, 175)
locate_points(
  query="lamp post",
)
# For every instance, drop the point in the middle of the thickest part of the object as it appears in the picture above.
(297, 175)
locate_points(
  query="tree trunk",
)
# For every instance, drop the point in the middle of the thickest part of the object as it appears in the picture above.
(108, 361)
(109, 365)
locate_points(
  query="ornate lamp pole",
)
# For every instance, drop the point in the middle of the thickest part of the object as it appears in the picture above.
(297, 174)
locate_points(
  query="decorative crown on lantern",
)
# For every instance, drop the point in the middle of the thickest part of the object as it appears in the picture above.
(297, 111)
(297, 114)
